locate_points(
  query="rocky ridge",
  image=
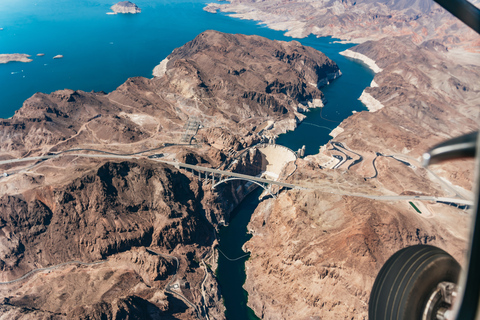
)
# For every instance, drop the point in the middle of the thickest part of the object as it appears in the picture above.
(357, 21)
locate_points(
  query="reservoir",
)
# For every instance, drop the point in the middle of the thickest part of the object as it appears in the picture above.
(101, 51)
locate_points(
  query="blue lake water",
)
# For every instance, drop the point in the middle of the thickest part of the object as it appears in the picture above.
(101, 51)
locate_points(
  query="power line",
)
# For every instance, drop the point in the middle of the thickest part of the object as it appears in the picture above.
(229, 259)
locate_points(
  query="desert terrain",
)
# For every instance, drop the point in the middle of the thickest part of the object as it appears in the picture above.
(97, 227)
(315, 253)
(94, 226)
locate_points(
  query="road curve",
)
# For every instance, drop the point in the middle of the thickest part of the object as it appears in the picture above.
(169, 284)
(32, 272)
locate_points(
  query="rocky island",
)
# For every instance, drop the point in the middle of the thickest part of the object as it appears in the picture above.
(9, 57)
(125, 7)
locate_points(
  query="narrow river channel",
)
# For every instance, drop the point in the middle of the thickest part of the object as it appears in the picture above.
(342, 99)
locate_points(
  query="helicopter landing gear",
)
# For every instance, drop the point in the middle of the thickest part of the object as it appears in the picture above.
(416, 283)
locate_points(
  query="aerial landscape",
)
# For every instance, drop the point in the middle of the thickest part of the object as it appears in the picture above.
(263, 161)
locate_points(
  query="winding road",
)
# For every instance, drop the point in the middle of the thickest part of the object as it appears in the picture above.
(34, 271)
(169, 286)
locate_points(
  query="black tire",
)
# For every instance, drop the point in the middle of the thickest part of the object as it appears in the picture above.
(407, 280)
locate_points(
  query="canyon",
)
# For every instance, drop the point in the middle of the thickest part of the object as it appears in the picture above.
(98, 236)
(108, 237)
(315, 253)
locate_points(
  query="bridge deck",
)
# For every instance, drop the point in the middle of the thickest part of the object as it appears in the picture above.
(251, 178)
(230, 174)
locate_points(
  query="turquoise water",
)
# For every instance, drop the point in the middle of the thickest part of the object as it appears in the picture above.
(342, 98)
(101, 51)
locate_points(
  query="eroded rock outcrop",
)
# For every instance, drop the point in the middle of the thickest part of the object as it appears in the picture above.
(318, 252)
(9, 57)
(357, 21)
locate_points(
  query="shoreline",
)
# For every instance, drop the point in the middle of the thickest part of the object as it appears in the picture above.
(291, 26)
(160, 69)
(370, 102)
(366, 60)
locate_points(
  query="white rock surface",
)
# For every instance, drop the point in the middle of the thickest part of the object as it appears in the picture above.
(370, 102)
(369, 62)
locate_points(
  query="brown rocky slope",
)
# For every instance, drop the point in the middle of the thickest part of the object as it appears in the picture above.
(318, 252)
(358, 20)
(126, 237)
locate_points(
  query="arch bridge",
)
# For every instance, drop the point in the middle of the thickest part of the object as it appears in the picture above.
(218, 177)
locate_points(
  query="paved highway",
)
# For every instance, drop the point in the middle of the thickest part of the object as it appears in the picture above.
(27, 159)
(245, 177)
(26, 275)
(172, 163)
(425, 198)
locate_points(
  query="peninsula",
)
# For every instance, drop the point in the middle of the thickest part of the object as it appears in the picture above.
(125, 7)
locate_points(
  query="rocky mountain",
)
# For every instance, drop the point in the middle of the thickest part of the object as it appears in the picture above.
(357, 21)
(102, 237)
(316, 255)
(434, 96)
(205, 81)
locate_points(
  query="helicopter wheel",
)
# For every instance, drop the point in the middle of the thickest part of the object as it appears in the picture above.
(417, 282)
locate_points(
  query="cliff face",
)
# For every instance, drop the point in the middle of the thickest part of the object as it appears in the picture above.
(127, 237)
(107, 213)
(111, 209)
